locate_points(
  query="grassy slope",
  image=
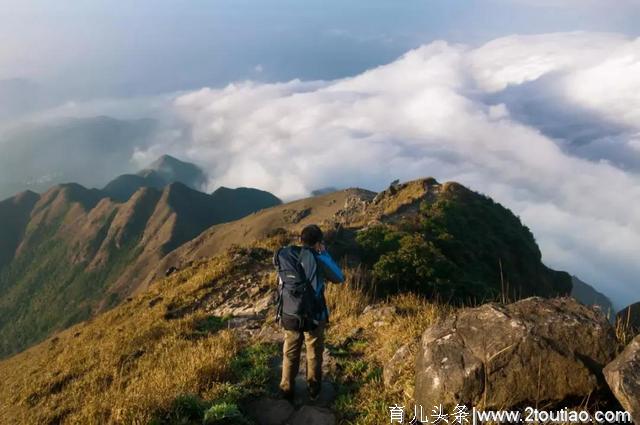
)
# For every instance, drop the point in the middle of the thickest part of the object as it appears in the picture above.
(135, 364)
(128, 364)
(82, 253)
(162, 357)
(49, 292)
(477, 236)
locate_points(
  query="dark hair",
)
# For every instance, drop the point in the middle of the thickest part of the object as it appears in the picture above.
(311, 235)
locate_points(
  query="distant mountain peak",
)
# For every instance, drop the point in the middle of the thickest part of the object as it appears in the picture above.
(167, 160)
(163, 171)
(172, 169)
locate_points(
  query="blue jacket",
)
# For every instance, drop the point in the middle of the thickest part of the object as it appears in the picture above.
(322, 267)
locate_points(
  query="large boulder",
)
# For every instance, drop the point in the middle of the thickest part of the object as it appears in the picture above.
(623, 377)
(498, 356)
(269, 411)
(312, 415)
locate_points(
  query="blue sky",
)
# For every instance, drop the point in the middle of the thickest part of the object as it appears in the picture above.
(100, 48)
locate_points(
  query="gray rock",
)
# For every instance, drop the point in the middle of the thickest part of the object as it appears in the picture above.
(500, 356)
(271, 333)
(268, 411)
(312, 415)
(392, 369)
(623, 377)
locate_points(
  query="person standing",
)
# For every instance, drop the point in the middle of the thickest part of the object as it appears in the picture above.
(302, 308)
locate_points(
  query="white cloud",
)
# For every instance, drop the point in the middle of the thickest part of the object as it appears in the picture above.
(427, 113)
(518, 59)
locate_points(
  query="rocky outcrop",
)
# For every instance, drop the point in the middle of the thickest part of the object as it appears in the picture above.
(623, 377)
(269, 411)
(312, 415)
(498, 356)
(393, 368)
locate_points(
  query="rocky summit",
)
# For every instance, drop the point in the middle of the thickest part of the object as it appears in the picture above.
(528, 352)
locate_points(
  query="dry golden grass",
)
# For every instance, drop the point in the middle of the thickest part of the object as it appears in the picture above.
(380, 336)
(125, 365)
(132, 362)
(624, 331)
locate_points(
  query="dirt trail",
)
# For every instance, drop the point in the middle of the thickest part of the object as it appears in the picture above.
(274, 410)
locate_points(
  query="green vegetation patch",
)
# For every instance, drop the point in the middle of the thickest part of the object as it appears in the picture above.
(463, 248)
(251, 368)
(249, 374)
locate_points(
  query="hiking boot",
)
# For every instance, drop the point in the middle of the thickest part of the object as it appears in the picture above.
(314, 392)
(287, 394)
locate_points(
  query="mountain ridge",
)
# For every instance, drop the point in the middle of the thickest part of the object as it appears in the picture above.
(352, 210)
(73, 252)
(202, 334)
(588, 295)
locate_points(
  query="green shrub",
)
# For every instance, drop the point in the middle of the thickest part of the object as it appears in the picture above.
(224, 413)
(417, 264)
(185, 409)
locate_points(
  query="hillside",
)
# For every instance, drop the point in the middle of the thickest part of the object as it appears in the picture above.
(486, 248)
(202, 340)
(72, 251)
(588, 295)
(241, 200)
(291, 216)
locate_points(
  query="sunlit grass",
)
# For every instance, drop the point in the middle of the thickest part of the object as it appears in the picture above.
(130, 364)
(364, 343)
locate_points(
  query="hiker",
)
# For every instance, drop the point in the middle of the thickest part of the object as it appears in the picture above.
(302, 309)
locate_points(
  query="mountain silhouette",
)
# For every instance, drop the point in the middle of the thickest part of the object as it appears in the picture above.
(588, 295)
(163, 171)
(72, 252)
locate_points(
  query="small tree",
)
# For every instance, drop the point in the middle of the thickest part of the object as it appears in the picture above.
(417, 264)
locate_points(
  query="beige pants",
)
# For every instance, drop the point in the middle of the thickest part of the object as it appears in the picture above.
(314, 341)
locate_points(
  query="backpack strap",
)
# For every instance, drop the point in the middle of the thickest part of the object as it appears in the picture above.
(276, 258)
(313, 276)
(279, 289)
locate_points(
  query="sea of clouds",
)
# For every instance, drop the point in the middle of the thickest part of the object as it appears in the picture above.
(548, 125)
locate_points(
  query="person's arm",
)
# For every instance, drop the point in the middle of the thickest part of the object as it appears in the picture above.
(331, 271)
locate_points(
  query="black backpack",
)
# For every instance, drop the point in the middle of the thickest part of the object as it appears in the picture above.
(297, 304)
